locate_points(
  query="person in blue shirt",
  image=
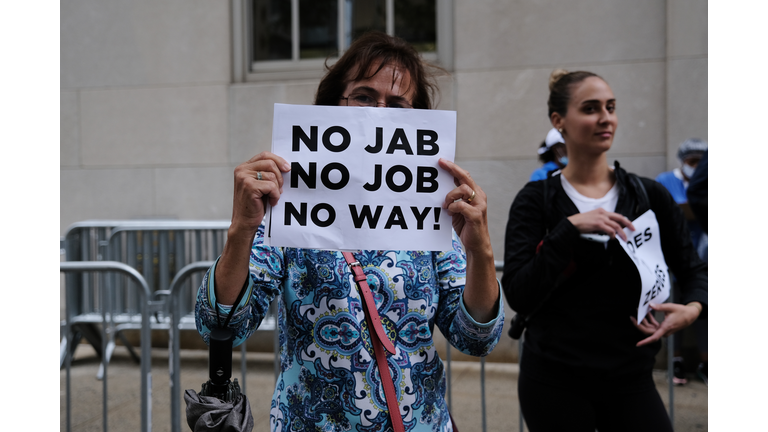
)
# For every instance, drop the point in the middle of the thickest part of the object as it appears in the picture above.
(552, 153)
(697, 192)
(676, 181)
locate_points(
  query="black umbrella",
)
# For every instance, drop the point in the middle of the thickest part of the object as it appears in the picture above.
(208, 413)
(219, 407)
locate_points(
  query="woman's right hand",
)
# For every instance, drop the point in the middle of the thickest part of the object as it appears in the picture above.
(600, 219)
(249, 206)
(257, 182)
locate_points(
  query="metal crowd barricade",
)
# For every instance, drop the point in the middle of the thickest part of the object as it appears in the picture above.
(499, 267)
(202, 251)
(160, 249)
(166, 254)
(146, 361)
(157, 249)
(82, 298)
(87, 241)
(174, 363)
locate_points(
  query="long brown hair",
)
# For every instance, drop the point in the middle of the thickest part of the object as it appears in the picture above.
(364, 52)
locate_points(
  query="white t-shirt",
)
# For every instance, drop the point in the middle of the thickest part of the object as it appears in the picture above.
(585, 204)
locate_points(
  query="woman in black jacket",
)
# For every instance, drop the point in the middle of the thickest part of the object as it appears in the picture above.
(588, 362)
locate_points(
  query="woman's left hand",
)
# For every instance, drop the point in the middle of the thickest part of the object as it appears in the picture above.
(676, 317)
(468, 205)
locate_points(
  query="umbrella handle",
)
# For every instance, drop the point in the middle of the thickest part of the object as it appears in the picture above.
(219, 363)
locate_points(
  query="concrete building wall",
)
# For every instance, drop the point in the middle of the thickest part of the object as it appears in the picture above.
(151, 121)
(687, 67)
(145, 110)
(152, 124)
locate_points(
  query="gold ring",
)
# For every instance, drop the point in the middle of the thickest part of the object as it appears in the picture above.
(471, 197)
(258, 175)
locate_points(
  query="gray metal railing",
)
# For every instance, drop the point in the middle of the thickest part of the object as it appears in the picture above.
(167, 246)
(146, 251)
(146, 361)
(174, 364)
(158, 249)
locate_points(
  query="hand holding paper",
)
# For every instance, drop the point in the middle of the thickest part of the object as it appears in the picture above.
(467, 204)
(677, 317)
(257, 182)
(470, 218)
(600, 219)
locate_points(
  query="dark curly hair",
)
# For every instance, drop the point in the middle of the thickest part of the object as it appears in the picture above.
(364, 52)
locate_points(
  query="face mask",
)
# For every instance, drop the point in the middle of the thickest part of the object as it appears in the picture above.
(563, 160)
(688, 170)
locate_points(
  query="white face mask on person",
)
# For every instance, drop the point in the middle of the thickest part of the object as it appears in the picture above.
(688, 170)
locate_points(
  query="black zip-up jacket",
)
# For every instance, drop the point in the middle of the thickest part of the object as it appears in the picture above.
(584, 328)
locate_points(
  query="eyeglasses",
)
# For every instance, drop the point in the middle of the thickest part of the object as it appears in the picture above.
(363, 100)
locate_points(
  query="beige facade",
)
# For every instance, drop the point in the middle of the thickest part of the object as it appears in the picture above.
(153, 124)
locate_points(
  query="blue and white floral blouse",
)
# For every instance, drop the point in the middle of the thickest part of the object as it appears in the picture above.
(329, 380)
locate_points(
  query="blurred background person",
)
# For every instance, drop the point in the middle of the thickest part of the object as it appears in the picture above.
(698, 192)
(677, 181)
(552, 154)
(689, 155)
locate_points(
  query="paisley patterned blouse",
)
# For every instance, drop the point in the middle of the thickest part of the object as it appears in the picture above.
(329, 380)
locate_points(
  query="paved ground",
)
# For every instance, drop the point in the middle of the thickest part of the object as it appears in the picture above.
(124, 413)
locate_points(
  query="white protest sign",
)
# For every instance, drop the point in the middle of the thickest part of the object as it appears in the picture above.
(362, 178)
(644, 248)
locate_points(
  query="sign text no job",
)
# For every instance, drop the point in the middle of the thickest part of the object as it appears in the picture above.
(362, 178)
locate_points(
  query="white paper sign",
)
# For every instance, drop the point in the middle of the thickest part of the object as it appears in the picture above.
(644, 248)
(362, 178)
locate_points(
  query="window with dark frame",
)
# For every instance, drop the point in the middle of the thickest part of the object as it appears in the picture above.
(272, 26)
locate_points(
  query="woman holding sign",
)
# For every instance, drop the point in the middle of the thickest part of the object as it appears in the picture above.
(356, 329)
(571, 271)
